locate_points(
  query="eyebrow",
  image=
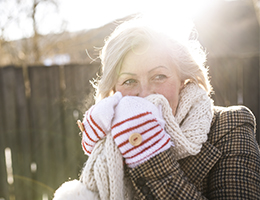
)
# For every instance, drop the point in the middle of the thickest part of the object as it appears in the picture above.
(151, 70)
(127, 73)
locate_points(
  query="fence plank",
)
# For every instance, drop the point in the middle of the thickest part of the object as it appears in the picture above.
(40, 113)
(251, 87)
(56, 138)
(3, 179)
(83, 101)
(11, 140)
(72, 139)
(23, 173)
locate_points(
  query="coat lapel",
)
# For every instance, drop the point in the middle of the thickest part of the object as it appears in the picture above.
(198, 166)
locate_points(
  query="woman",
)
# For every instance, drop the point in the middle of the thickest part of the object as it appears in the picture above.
(201, 151)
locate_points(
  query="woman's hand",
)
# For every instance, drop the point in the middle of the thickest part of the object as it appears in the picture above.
(97, 121)
(138, 130)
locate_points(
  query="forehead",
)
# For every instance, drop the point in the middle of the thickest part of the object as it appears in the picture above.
(146, 56)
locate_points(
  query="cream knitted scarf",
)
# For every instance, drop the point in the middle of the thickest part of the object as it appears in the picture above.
(103, 173)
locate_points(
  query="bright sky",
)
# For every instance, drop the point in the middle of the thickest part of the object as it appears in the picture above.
(95, 13)
(87, 14)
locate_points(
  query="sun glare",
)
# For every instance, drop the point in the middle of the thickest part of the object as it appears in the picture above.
(173, 17)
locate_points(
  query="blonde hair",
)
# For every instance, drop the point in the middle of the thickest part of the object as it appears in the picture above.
(189, 58)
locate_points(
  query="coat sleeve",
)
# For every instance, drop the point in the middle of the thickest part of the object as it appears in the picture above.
(236, 175)
(161, 178)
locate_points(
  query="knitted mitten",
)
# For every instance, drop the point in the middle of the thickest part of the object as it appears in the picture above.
(97, 121)
(138, 130)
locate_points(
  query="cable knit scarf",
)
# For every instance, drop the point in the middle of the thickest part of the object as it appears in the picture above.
(103, 173)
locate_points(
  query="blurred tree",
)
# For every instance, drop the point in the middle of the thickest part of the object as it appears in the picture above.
(26, 19)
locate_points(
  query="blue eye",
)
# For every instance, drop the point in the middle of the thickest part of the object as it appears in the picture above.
(129, 82)
(159, 77)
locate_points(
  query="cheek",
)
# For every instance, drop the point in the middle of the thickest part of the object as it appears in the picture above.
(173, 100)
(125, 91)
(171, 93)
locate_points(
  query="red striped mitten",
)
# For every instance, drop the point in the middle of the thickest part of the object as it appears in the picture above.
(138, 130)
(97, 121)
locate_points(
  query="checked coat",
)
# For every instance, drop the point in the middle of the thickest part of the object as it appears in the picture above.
(227, 167)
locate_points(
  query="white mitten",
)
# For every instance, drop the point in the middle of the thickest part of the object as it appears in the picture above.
(138, 130)
(74, 190)
(97, 121)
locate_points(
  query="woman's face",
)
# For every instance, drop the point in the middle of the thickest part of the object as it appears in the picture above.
(148, 71)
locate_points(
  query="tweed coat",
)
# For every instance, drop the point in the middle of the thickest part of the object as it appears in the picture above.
(227, 167)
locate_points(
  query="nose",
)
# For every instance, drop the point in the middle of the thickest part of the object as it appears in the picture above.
(144, 90)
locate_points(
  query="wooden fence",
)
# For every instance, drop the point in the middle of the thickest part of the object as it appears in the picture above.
(39, 141)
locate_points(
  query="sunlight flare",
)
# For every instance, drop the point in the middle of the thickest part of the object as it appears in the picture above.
(173, 17)
(9, 167)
